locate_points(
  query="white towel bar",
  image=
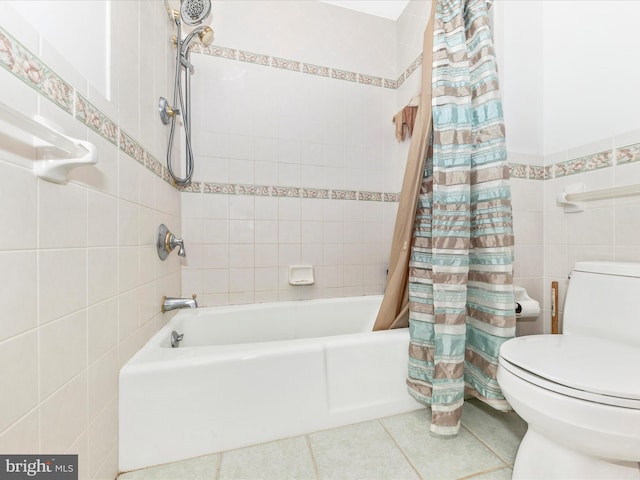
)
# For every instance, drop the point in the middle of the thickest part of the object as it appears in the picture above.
(48, 165)
(574, 196)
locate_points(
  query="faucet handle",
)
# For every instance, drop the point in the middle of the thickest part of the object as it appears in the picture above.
(167, 241)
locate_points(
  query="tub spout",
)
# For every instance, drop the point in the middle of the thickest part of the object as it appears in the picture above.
(172, 303)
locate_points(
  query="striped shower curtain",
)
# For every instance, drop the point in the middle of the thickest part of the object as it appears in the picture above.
(461, 305)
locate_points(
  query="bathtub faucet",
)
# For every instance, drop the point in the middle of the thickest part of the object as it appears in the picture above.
(172, 303)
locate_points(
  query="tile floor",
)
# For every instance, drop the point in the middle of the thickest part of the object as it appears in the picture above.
(391, 448)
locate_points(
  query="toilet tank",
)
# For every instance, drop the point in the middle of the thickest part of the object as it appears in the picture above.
(603, 300)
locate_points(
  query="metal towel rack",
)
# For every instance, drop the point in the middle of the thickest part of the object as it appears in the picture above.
(574, 196)
(49, 165)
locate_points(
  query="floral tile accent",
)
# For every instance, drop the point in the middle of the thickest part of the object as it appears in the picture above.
(218, 51)
(219, 188)
(391, 197)
(193, 187)
(286, 191)
(316, 70)
(413, 67)
(370, 196)
(262, 190)
(132, 148)
(518, 170)
(153, 164)
(315, 193)
(256, 58)
(393, 84)
(95, 119)
(584, 164)
(285, 64)
(344, 195)
(245, 189)
(400, 80)
(628, 154)
(344, 75)
(30, 69)
(369, 80)
(536, 172)
(548, 172)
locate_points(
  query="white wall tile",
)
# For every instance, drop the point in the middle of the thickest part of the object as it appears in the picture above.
(19, 371)
(62, 351)
(18, 294)
(62, 283)
(102, 328)
(102, 378)
(20, 222)
(63, 416)
(62, 214)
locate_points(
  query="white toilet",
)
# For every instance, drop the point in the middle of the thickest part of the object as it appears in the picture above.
(579, 392)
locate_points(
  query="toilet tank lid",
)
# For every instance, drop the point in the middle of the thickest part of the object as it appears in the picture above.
(609, 268)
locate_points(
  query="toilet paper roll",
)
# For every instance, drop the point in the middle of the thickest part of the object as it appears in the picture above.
(527, 309)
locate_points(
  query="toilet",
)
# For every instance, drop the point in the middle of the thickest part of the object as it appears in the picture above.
(579, 392)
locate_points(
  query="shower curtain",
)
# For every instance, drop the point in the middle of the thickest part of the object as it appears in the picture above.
(456, 217)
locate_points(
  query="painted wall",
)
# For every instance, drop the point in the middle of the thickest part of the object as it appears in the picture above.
(81, 279)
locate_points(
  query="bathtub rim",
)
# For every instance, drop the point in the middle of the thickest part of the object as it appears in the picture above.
(154, 355)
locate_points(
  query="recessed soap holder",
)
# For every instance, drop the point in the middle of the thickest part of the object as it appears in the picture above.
(301, 275)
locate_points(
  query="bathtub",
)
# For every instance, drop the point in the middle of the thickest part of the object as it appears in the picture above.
(249, 374)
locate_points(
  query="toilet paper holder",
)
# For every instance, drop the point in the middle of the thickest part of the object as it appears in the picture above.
(525, 307)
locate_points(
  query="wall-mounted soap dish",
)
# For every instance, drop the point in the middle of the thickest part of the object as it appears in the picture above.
(301, 275)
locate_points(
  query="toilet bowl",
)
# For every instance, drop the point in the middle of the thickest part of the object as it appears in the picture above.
(579, 392)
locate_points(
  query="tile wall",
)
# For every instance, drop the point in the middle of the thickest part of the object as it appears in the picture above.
(296, 160)
(296, 163)
(82, 282)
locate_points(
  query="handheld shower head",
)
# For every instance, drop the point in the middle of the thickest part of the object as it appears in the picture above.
(205, 34)
(193, 12)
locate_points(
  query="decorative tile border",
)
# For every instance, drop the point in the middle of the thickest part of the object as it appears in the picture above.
(288, 192)
(256, 58)
(21, 62)
(628, 154)
(539, 172)
(132, 148)
(307, 68)
(584, 164)
(29, 68)
(95, 119)
(316, 70)
(517, 170)
(285, 64)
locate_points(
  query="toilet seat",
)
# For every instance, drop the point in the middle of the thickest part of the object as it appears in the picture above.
(583, 367)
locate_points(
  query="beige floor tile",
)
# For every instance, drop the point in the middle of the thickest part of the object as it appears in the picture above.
(285, 459)
(199, 468)
(501, 431)
(437, 457)
(361, 451)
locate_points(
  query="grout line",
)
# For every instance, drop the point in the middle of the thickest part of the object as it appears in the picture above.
(404, 454)
(313, 457)
(486, 445)
(484, 472)
(219, 467)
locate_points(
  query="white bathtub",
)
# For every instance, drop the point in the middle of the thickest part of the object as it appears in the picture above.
(249, 374)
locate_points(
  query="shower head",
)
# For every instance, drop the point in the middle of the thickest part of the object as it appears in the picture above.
(193, 12)
(205, 34)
